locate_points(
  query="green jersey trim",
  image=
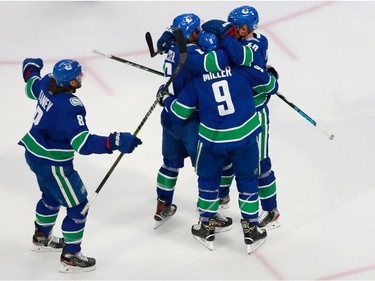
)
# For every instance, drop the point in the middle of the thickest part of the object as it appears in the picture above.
(79, 140)
(182, 111)
(29, 88)
(211, 62)
(58, 155)
(248, 56)
(266, 88)
(232, 134)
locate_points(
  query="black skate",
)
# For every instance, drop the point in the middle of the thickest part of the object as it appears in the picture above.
(254, 236)
(164, 212)
(76, 262)
(222, 223)
(204, 232)
(269, 219)
(224, 202)
(46, 243)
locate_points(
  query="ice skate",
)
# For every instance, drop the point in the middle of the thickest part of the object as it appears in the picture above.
(224, 202)
(222, 223)
(164, 212)
(76, 262)
(269, 220)
(46, 243)
(204, 232)
(254, 237)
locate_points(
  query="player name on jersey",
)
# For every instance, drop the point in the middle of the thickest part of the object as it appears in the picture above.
(220, 74)
(44, 101)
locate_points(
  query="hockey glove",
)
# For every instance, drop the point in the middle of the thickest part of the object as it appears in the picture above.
(165, 41)
(271, 70)
(31, 67)
(219, 28)
(162, 94)
(124, 142)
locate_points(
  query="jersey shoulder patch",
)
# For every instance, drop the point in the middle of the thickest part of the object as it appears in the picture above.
(75, 101)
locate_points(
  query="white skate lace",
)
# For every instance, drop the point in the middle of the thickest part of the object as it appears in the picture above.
(53, 238)
(263, 215)
(81, 256)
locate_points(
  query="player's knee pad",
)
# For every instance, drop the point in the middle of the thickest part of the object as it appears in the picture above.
(208, 199)
(49, 203)
(168, 170)
(228, 170)
(247, 185)
(208, 187)
(173, 164)
(265, 166)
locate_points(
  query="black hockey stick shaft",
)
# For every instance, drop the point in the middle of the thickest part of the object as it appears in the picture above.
(282, 97)
(183, 57)
(304, 115)
(128, 62)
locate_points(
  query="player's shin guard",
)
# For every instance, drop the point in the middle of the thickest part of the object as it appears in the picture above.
(46, 215)
(166, 183)
(208, 199)
(248, 199)
(73, 227)
(225, 183)
(267, 185)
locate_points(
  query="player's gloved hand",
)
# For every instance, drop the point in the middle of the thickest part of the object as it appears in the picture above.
(271, 70)
(219, 27)
(31, 66)
(124, 142)
(165, 41)
(162, 94)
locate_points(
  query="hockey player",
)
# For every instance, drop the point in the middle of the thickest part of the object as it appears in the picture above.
(59, 130)
(251, 50)
(228, 129)
(180, 141)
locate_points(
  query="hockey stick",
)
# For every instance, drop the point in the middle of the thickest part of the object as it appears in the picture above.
(304, 115)
(150, 45)
(128, 62)
(297, 109)
(183, 57)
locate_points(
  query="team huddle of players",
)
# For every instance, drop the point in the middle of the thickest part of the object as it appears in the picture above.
(215, 113)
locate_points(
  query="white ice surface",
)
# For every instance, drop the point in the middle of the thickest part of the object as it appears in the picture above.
(324, 52)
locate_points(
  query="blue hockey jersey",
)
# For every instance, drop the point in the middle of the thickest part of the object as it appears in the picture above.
(59, 128)
(198, 62)
(225, 102)
(252, 52)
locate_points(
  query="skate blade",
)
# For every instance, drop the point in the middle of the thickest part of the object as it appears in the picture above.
(38, 248)
(160, 223)
(223, 229)
(208, 244)
(271, 225)
(64, 268)
(252, 247)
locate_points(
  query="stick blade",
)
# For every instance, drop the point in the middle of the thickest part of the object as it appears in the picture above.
(150, 44)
